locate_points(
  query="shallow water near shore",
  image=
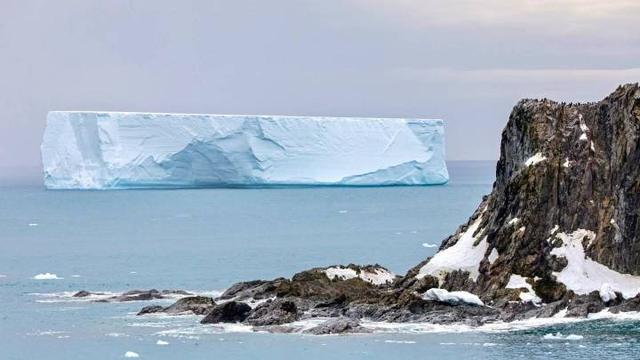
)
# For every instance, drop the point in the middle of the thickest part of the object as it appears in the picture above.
(204, 240)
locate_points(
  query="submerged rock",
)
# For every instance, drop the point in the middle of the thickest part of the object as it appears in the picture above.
(337, 326)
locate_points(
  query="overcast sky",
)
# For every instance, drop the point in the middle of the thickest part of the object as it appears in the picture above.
(467, 62)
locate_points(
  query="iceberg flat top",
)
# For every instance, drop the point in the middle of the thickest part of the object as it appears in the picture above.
(99, 150)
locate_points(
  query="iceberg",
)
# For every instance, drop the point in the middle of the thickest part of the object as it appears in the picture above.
(118, 150)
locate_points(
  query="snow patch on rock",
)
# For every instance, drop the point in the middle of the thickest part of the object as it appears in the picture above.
(528, 295)
(375, 276)
(584, 275)
(463, 255)
(536, 158)
(493, 256)
(452, 297)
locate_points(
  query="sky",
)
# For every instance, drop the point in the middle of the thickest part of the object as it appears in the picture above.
(467, 62)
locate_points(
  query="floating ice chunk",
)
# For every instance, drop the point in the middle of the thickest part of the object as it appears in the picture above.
(47, 276)
(584, 275)
(452, 297)
(106, 150)
(536, 158)
(2, 276)
(131, 354)
(559, 336)
(162, 343)
(343, 211)
(75, 276)
(463, 255)
(427, 245)
(33, 224)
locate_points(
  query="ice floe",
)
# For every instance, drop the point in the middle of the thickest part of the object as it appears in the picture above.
(131, 354)
(47, 276)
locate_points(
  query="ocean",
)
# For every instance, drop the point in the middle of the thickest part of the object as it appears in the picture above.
(205, 240)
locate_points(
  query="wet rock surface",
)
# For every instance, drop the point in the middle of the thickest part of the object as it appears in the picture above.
(198, 305)
(229, 312)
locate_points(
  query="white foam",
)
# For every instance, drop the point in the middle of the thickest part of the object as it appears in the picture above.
(47, 333)
(559, 336)
(47, 276)
(400, 341)
(116, 335)
(131, 354)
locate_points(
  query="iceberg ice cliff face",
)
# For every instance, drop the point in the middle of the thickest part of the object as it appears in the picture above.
(105, 150)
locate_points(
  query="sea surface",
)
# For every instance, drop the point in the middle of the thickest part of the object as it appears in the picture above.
(205, 240)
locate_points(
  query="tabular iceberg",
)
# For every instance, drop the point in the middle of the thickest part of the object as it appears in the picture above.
(116, 150)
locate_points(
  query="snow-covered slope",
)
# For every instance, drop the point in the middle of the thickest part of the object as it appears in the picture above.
(100, 150)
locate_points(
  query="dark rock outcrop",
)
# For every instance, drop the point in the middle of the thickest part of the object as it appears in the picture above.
(229, 312)
(198, 305)
(566, 196)
(562, 168)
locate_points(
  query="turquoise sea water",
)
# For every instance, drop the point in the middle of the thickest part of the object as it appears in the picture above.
(205, 240)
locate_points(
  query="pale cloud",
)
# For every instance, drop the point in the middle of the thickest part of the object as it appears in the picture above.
(546, 15)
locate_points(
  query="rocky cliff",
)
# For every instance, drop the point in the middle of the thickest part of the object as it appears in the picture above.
(559, 232)
(563, 213)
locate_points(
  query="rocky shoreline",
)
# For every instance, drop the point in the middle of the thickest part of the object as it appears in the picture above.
(559, 235)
